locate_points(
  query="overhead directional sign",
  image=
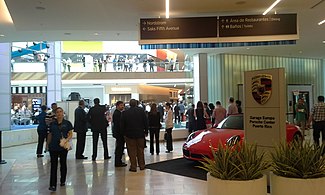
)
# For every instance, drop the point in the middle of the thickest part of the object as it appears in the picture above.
(257, 25)
(178, 28)
(250, 28)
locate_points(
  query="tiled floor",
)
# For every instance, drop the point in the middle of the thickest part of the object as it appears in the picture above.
(26, 174)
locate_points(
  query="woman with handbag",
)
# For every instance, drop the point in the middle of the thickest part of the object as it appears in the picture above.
(59, 137)
(154, 128)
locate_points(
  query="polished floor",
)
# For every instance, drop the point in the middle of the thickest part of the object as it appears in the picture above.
(26, 174)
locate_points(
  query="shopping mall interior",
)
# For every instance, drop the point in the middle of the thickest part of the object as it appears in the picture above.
(71, 50)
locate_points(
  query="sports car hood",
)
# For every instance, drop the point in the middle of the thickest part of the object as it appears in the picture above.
(213, 136)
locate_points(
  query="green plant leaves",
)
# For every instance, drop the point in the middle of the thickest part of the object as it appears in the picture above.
(297, 160)
(239, 162)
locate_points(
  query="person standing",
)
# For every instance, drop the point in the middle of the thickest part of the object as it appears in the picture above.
(154, 128)
(176, 113)
(50, 117)
(169, 127)
(134, 125)
(317, 117)
(161, 112)
(80, 127)
(200, 116)
(191, 119)
(239, 108)
(232, 108)
(97, 119)
(117, 134)
(219, 113)
(60, 128)
(181, 110)
(301, 115)
(41, 131)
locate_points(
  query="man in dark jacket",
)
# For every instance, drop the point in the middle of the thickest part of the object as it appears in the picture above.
(99, 124)
(117, 134)
(134, 125)
(80, 127)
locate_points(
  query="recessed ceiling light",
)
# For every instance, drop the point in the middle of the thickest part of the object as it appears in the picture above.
(248, 48)
(300, 51)
(40, 8)
(1, 35)
(321, 22)
(96, 33)
(324, 41)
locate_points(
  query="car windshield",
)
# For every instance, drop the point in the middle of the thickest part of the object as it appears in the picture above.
(232, 122)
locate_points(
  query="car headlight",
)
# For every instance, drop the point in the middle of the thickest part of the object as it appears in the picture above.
(233, 140)
(190, 137)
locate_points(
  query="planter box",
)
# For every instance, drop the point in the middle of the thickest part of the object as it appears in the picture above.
(287, 186)
(229, 187)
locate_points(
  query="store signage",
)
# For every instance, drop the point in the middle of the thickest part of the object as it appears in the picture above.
(248, 28)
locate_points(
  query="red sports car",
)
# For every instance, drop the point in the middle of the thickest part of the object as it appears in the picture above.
(229, 131)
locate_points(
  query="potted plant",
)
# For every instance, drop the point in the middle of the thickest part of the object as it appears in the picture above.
(236, 169)
(298, 169)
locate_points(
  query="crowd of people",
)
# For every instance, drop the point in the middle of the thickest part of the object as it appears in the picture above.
(132, 123)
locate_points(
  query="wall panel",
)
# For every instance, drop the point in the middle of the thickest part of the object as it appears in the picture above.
(227, 69)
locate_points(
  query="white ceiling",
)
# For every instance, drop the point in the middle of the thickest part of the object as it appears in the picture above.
(56, 20)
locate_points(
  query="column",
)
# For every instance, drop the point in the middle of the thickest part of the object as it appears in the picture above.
(200, 78)
(54, 85)
(5, 89)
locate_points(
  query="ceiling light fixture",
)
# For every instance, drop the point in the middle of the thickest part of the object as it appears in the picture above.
(271, 7)
(1, 35)
(167, 8)
(321, 22)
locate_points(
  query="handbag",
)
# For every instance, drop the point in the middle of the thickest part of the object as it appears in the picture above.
(66, 144)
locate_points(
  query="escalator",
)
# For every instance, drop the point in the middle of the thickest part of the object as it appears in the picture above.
(29, 50)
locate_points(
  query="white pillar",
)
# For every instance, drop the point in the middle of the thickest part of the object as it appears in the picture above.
(5, 89)
(200, 78)
(54, 85)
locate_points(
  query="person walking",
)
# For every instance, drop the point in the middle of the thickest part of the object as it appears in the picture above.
(98, 121)
(134, 125)
(317, 117)
(117, 134)
(81, 128)
(154, 128)
(169, 127)
(60, 128)
(41, 131)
